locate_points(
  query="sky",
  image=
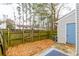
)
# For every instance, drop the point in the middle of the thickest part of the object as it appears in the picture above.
(67, 8)
(8, 10)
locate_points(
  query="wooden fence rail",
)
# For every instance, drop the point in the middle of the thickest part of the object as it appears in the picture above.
(17, 36)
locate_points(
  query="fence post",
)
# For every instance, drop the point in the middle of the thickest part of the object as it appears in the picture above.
(23, 35)
(5, 42)
(8, 36)
(39, 34)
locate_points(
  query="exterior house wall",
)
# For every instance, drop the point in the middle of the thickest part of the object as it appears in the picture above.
(3, 26)
(5, 22)
(77, 8)
(62, 35)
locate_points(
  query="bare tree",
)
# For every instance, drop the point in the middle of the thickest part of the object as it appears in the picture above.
(19, 12)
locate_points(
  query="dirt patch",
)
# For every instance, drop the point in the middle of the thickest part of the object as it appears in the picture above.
(29, 49)
(69, 48)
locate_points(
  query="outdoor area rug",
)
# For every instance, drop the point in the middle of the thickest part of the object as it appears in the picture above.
(53, 52)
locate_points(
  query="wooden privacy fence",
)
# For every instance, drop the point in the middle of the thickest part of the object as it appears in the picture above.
(17, 36)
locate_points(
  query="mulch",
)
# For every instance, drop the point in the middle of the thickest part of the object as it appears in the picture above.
(29, 49)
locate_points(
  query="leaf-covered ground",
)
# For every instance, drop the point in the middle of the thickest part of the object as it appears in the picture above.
(29, 49)
(32, 48)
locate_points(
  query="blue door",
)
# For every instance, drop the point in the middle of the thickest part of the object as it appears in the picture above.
(71, 33)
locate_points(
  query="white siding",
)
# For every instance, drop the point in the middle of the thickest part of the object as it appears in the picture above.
(70, 18)
(77, 6)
